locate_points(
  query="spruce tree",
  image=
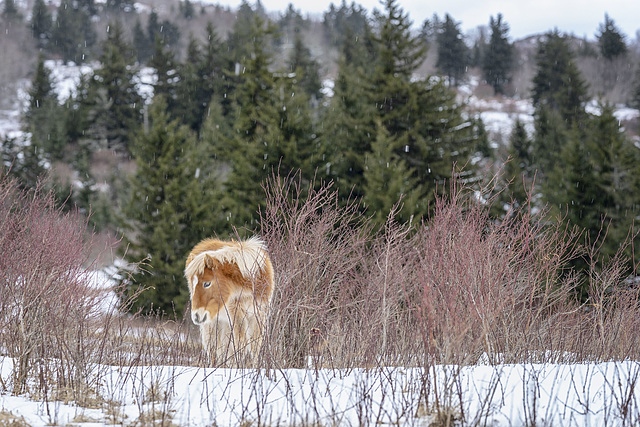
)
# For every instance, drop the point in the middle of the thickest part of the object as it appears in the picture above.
(388, 181)
(549, 140)
(10, 12)
(498, 57)
(73, 35)
(203, 76)
(117, 103)
(141, 42)
(339, 23)
(452, 52)
(558, 84)
(610, 39)
(44, 117)
(634, 102)
(518, 171)
(615, 161)
(349, 123)
(170, 207)
(41, 23)
(255, 127)
(306, 69)
(164, 62)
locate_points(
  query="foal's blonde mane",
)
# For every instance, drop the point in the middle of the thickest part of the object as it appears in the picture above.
(249, 255)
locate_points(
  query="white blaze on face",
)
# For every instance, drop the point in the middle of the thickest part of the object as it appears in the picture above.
(200, 315)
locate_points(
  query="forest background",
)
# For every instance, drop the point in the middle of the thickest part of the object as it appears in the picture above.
(368, 101)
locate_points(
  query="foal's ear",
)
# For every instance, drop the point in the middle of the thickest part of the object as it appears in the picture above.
(210, 262)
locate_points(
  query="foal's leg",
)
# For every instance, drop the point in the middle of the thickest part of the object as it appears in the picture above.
(216, 339)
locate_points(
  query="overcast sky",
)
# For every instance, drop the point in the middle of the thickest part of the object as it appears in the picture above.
(525, 17)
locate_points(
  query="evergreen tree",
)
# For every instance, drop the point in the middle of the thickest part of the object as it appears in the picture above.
(239, 39)
(290, 24)
(10, 12)
(518, 171)
(350, 123)
(73, 35)
(166, 30)
(615, 161)
(295, 145)
(306, 68)
(187, 10)
(610, 39)
(141, 42)
(163, 61)
(452, 52)
(202, 75)
(22, 160)
(498, 56)
(255, 127)
(171, 206)
(41, 23)
(343, 21)
(117, 104)
(549, 140)
(634, 102)
(44, 117)
(596, 184)
(558, 84)
(479, 48)
(419, 117)
(388, 181)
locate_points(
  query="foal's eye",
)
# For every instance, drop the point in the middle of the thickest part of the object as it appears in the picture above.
(206, 284)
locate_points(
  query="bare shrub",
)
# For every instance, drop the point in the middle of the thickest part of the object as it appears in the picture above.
(316, 248)
(458, 288)
(47, 303)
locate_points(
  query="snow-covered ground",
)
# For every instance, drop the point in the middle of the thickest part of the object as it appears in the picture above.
(588, 394)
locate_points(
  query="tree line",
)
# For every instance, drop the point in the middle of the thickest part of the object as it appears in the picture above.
(226, 117)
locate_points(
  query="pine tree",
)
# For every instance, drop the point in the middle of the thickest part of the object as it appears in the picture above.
(166, 30)
(255, 127)
(498, 56)
(573, 185)
(203, 76)
(634, 102)
(518, 171)
(306, 68)
(187, 10)
(615, 161)
(479, 48)
(558, 84)
(41, 23)
(388, 181)
(10, 12)
(452, 52)
(350, 123)
(549, 140)
(117, 103)
(239, 39)
(44, 117)
(164, 62)
(142, 44)
(73, 35)
(171, 206)
(341, 22)
(610, 39)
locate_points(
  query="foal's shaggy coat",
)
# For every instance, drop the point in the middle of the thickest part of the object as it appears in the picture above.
(231, 283)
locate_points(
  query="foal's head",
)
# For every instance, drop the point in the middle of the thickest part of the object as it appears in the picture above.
(211, 288)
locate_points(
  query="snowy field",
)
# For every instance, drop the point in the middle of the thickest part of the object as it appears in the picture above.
(590, 394)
